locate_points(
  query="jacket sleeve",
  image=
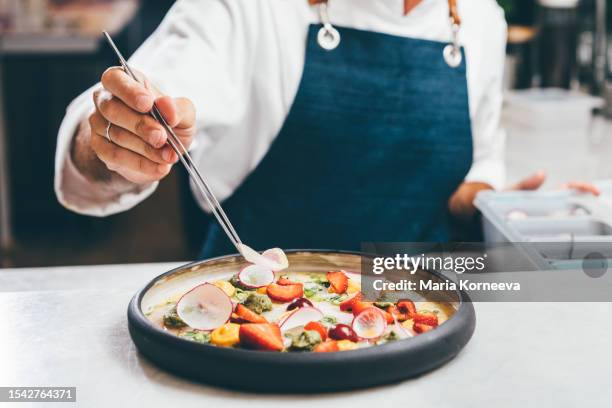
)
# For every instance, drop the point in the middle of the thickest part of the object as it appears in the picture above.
(202, 50)
(488, 136)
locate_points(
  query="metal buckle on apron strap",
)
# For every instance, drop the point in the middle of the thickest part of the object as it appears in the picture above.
(328, 37)
(452, 52)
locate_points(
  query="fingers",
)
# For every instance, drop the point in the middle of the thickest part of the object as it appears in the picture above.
(536, 180)
(138, 150)
(134, 167)
(130, 92)
(532, 182)
(118, 113)
(130, 141)
(582, 187)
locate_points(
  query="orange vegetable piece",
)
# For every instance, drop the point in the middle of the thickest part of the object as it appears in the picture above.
(318, 327)
(326, 347)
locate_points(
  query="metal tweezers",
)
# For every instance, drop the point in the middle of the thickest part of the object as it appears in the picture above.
(186, 159)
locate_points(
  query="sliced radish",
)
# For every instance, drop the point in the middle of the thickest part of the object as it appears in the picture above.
(275, 258)
(401, 331)
(300, 317)
(256, 276)
(284, 317)
(371, 323)
(205, 307)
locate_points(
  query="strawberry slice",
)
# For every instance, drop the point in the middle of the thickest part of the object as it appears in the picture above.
(421, 328)
(406, 308)
(283, 280)
(338, 281)
(261, 336)
(359, 306)
(318, 327)
(429, 319)
(285, 293)
(347, 305)
(326, 347)
(246, 315)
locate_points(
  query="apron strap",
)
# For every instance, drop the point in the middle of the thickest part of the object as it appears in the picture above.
(453, 12)
(410, 4)
(329, 38)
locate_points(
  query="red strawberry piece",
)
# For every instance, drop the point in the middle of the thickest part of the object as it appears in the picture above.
(326, 347)
(429, 319)
(261, 336)
(318, 327)
(285, 293)
(283, 280)
(247, 315)
(403, 311)
(347, 305)
(422, 328)
(406, 307)
(338, 281)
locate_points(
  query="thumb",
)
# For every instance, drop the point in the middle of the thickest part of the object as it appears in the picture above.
(178, 112)
(532, 182)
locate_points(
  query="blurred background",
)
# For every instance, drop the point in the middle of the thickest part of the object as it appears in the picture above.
(557, 111)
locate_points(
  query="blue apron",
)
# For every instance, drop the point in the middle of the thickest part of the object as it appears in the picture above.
(376, 141)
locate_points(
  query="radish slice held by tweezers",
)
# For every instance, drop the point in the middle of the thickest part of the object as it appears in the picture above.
(274, 258)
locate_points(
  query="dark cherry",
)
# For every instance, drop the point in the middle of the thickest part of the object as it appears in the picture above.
(299, 302)
(343, 332)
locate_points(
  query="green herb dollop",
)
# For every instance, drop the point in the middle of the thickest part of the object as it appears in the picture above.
(306, 340)
(258, 303)
(172, 319)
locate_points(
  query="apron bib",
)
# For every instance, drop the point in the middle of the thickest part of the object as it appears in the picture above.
(376, 141)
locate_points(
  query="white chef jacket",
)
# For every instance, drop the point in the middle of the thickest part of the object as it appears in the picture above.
(241, 61)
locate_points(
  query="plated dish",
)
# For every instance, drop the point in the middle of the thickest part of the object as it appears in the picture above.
(301, 361)
(260, 309)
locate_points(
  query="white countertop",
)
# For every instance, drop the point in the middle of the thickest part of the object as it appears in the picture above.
(68, 327)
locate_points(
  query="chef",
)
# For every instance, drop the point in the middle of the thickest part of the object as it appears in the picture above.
(320, 124)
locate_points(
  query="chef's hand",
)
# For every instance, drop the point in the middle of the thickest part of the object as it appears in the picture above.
(138, 153)
(461, 203)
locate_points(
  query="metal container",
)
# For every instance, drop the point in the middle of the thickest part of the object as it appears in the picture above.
(550, 224)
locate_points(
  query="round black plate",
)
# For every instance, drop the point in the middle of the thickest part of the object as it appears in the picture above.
(297, 372)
